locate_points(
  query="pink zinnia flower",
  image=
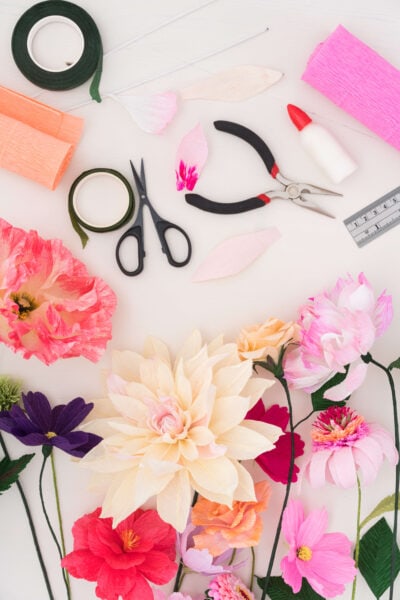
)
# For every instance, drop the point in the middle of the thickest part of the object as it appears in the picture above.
(50, 307)
(229, 587)
(337, 327)
(344, 442)
(121, 560)
(324, 559)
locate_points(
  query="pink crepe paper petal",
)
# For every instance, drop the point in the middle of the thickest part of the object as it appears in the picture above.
(235, 254)
(190, 158)
(150, 113)
(354, 379)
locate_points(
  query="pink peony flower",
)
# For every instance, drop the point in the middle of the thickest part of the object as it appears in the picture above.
(49, 305)
(337, 327)
(121, 560)
(324, 559)
(229, 587)
(342, 442)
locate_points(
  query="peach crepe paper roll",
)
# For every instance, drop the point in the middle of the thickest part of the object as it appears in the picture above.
(36, 140)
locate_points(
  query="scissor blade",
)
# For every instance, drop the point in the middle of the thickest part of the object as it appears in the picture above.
(305, 203)
(308, 188)
(138, 180)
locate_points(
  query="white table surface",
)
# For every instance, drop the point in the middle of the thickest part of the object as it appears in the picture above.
(312, 253)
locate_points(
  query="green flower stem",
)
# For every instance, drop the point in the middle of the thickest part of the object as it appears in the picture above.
(59, 515)
(232, 557)
(253, 567)
(368, 358)
(31, 526)
(284, 384)
(304, 419)
(179, 576)
(357, 544)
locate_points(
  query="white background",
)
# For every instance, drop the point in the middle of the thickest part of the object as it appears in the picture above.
(312, 253)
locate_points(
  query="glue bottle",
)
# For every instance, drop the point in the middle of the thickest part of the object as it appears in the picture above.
(322, 146)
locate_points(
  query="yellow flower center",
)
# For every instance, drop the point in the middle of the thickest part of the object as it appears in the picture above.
(26, 304)
(304, 553)
(130, 539)
(50, 434)
(242, 592)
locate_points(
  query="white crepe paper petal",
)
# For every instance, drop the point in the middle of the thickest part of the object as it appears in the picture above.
(235, 254)
(191, 157)
(236, 84)
(151, 113)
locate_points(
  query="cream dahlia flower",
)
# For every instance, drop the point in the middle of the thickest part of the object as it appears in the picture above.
(175, 427)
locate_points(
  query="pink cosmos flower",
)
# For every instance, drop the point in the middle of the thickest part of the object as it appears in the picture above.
(337, 327)
(50, 307)
(121, 560)
(324, 559)
(229, 587)
(344, 442)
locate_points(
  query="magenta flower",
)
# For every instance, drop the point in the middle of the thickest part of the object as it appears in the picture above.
(324, 559)
(344, 442)
(50, 307)
(42, 425)
(337, 327)
(229, 587)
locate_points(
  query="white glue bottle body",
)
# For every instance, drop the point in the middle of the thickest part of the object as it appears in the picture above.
(322, 146)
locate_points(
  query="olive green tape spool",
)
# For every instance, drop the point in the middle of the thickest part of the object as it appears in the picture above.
(90, 62)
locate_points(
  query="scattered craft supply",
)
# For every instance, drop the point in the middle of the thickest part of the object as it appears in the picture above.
(322, 146)
(162, 227)
(292, 191)
(79, 222)
(191, 157)
(375, 219)
(36, 140)
(151, 113)
(89, 63)
(359, 81)
(235, 254)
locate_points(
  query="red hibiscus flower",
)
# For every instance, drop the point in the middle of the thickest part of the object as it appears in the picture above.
(121, 560)
(276, 462)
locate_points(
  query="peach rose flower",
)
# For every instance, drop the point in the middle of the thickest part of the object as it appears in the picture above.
(225, 527)
(266, 339)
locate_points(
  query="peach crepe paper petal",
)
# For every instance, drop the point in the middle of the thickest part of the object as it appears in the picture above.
(36, 140)
(151, 113)
(235, 254)
(191, 157)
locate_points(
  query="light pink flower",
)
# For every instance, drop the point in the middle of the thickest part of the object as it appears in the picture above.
(337, 327)
(50, 307)
(159, 595)
(191, 157)
(344, 442)
(229, 587)
(322, 558)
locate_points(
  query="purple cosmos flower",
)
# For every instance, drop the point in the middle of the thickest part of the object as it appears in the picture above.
(41, 425)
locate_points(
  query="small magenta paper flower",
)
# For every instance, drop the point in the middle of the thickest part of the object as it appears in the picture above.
(324, 559)
(41, 425)
(344, 442)
(122, 560)
(337, 328)
(229, 587)
(50, 307)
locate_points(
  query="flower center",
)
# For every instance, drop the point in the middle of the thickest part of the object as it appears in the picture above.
(304, 553)
(166, 418)
(130, 539)
(337, 427)
(242, 593)
(50, 434)
(26, 304)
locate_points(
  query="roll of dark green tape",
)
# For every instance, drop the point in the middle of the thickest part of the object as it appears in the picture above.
(90, 62)
(78, 223)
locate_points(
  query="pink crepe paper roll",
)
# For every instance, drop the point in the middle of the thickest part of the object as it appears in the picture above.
(359, 81)
(36, 140)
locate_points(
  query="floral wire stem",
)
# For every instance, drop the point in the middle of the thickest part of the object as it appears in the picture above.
(179, 576)
(59, 515)
(367, 358)
(31, 526)
(357, 544)
(253, 566)
(304, 419)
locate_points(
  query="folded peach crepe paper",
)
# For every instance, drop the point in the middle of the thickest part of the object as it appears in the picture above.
(36, 140)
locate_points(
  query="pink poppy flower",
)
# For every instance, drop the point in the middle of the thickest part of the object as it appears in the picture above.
(276, 462)
(337, 327)
(344, 442)
(121, 560)
(229, 587)
(324, 559)
(50, 307)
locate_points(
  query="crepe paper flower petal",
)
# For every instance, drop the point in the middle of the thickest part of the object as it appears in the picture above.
(151, 113)
(229, 587)
(354, 378)
(235, 254)
(190, 158)
(233, 85)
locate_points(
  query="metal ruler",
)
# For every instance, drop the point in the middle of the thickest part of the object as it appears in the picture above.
(375, 219)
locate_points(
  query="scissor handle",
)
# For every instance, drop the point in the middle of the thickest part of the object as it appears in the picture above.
(136, 231)
(162, 227)
(227, 208)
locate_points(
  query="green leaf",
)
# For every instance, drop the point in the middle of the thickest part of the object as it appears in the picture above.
(395, 364)
(279, 590)
(374, 561)
(385, 505)
(10, 469)
(317, 398)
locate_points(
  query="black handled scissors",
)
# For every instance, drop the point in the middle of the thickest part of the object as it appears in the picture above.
(161, 225)
(292, 190)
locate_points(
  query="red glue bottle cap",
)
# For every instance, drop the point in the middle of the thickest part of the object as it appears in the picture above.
(299, 118)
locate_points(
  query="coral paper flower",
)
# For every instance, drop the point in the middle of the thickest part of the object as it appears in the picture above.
(344, 442)
(276, 463)
(267, 339)
(324, 559)
(122, 560)
(178, 426)
(229, 587)
(337, 327)
(41, 425)
(49, 305)
(224, 527)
